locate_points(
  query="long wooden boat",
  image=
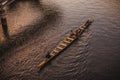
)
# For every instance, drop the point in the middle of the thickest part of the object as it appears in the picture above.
(73, 35)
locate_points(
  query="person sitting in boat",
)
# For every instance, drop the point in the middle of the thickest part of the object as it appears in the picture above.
(48, 55)
(74, 33)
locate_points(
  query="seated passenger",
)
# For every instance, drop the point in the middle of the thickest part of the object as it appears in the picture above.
(48, 55)
(73, 34)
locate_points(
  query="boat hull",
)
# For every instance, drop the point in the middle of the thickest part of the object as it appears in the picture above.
(65, 43)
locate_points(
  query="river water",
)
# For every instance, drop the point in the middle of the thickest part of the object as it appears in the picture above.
(36, 27)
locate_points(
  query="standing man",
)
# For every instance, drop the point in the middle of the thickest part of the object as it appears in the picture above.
(3, 19)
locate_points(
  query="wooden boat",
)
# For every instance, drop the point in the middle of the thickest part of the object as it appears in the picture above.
(73, 35)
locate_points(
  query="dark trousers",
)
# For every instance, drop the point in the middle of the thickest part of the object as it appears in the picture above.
(5, 27)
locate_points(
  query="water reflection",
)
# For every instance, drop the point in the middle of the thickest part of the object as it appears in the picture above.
(26, 20)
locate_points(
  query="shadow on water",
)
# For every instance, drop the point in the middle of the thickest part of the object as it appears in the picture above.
(50, 16)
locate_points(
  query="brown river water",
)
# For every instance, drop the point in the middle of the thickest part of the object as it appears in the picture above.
(36, 27)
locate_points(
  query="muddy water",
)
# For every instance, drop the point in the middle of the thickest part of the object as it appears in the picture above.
(39, 25)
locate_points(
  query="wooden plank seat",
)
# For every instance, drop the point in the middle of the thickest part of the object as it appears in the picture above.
(68, 38)
(59, 48)
(62, 44)
(65, 41)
